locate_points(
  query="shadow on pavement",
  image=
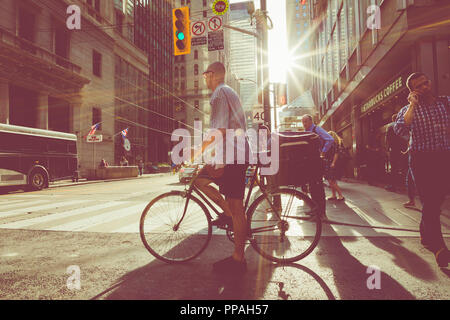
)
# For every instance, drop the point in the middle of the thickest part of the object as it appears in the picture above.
(402, 257)
(195, 280)
(351, 276)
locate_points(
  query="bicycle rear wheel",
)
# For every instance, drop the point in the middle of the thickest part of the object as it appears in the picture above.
(169, 238)
(289, 234)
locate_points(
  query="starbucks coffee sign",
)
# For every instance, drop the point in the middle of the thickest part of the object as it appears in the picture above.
(382, 95)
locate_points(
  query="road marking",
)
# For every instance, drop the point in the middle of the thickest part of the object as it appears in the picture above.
(34, 209)
(57, 216)
(99, 219)
(23, 204)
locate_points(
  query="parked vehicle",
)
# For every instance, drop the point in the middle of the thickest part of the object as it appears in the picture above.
(185, 174)
(35, 157)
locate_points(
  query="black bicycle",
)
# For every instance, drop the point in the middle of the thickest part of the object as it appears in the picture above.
(283, 223)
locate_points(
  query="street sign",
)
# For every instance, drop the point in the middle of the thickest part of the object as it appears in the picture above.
(215, 40)
(198, 29)
(94, 138)
(126, 144)
(219, 7)
(198, 41)
(258, 114)
(215, 23)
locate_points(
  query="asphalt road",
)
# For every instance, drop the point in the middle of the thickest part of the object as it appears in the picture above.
(48, 238)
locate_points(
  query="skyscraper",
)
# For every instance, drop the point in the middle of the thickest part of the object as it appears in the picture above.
(243, 53)
(298, 41)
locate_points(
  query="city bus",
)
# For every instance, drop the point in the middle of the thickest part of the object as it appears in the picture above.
(35, 157)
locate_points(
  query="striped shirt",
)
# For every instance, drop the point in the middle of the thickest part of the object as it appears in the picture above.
(430, 126)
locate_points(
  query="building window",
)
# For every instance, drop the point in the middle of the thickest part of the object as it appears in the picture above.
(97, 117)
(196, 54)
(94, 8)
(62, 42)
(197, 104)
(119, 21)
(182, 2)
(176, 73)
(205, 14)
(196, 69)
(96, 63)
(183, 72)
(204, 3)
(26, 29)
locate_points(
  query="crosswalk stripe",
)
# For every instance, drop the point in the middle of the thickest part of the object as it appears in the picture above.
(55, 218)
(34, 209)
(98, 220)
(24, 204)
(4, 203)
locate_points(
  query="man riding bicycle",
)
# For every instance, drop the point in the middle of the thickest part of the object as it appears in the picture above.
(226, 113)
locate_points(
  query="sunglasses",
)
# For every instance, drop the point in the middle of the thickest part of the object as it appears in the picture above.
(206, 73)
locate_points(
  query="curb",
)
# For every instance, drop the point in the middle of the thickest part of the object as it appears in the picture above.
(69, 184)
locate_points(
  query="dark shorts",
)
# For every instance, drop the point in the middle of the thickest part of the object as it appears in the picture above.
(232, 182)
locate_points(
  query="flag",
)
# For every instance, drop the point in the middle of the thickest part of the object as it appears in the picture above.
(124, 132)
(93, 129)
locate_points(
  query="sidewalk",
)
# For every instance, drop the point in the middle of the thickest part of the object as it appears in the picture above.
(374, 206)
(68, 183)
(398, 197)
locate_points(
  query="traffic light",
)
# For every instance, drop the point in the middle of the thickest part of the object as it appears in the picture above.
(280, 94)
(181, 31)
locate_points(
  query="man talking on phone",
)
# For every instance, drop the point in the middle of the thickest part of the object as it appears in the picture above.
(427, 118)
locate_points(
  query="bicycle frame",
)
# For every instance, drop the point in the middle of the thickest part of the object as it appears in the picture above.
(192, 188)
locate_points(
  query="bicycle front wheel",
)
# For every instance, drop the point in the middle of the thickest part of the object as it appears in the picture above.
(287, 229)
(170, 236)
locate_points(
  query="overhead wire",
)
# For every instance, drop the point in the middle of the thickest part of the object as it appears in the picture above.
(124, 101)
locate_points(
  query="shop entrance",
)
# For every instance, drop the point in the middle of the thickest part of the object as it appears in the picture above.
(374, 163)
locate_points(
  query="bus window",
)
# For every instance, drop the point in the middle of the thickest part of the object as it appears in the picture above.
(27, 143)
(55, 145)
(73, 147)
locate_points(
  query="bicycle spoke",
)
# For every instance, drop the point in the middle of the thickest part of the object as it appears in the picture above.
(169, 234)
(287, 233)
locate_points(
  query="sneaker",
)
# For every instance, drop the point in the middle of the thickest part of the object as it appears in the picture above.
(442, 257)
(222, 221)
(231, 266)
(409, 204)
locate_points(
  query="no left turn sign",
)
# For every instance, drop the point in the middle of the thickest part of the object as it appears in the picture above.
(215, 23)
(198, 28)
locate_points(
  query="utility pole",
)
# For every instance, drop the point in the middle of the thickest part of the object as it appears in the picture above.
(265, 67)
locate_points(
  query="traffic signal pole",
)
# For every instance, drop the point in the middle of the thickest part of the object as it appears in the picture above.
(265, 68)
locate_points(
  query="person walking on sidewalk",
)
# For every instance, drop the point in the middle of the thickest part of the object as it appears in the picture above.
(427, 118)
(332, 170)
(141, 167)
(395, 144)
(410, 184)
(326, 142)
